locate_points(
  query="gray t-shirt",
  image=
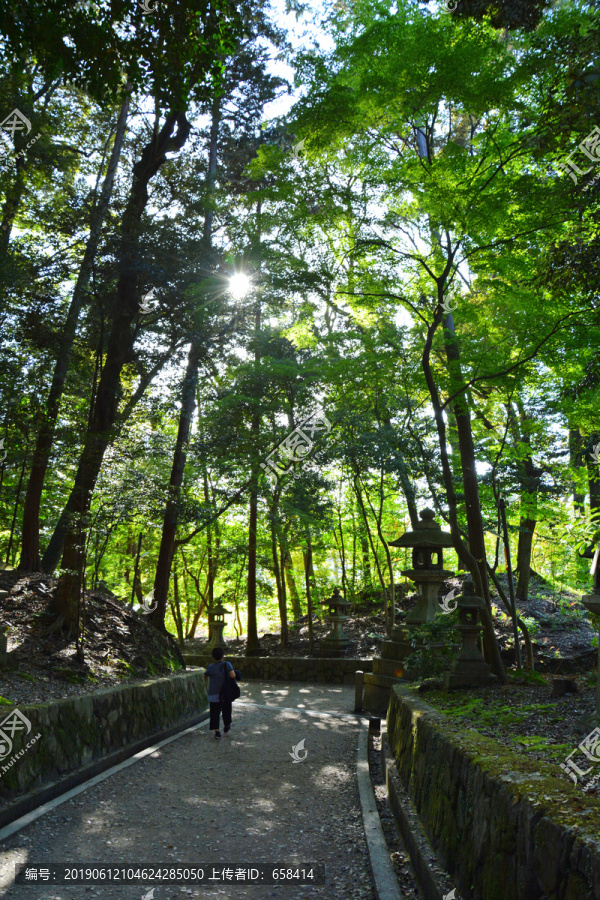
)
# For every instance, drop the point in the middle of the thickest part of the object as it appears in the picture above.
(216, 672)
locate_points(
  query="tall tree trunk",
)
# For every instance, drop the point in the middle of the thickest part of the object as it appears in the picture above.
(460, 408)
(530, 482)
(9, 210)
(30, 550)
(283, 608)
(594, 484)
(470, 562)
(252, 643)
(175, 605)
(366, 560)
(278, 570)
(16, 508)
(288, 567)
(408, 488)
(55, 546)
(119, 350)
(576, 461)
(342, 555)
(372, 543)
(167, 541)
(307, 554)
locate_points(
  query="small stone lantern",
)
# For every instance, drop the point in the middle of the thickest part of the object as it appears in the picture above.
(592, 602)
(428, 573)
(469, 669)
(336, 642)
(216, 624)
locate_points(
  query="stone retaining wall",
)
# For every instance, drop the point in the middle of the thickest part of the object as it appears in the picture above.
(76, 732)
(282, 668)
(505, 827)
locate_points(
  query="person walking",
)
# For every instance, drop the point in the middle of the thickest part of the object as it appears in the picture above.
(217, 672)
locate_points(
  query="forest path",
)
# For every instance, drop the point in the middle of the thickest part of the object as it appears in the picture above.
(237, 801)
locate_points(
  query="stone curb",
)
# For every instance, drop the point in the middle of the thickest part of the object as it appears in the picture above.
(386, 883)
(434, 882)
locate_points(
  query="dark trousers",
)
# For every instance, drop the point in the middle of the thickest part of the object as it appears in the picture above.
(215, 714)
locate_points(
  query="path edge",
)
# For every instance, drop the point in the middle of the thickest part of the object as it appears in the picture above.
(384, 877)
(34, 799)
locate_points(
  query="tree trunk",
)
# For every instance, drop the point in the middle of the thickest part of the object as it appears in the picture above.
(283, 608)
(16, 508)
(252, 644)
(9, 210)
(469, 561)
(176, 611)
(167, 541)
(408, 488)
(307, 554)
(594, 484)
(343, 556)
(530, 482)
(30, 551)
(211, 561)
(364, 543)
(526, 530)
(288, 568)
(118, 352)
(470, 479)
(372, 544)
(576, 456)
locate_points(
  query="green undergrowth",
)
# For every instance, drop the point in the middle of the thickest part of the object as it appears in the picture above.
(493, 713)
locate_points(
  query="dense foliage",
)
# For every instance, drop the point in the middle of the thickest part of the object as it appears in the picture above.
(186, 277)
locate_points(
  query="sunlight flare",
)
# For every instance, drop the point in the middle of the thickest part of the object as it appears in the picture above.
(239, 285)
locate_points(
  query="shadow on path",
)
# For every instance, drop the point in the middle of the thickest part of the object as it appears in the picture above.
(235, 802)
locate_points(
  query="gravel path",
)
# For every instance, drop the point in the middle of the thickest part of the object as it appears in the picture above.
(238, 801)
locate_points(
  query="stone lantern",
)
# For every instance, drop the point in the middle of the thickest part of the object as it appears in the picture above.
(428, 573)
(216, 624)
(592, 602)
(469, 669)
(336, 642)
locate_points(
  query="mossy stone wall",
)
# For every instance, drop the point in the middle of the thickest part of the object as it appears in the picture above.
(80, 730)
(505, 827)
(288, 668)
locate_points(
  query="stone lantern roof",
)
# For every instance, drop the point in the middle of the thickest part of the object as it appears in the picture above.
(218, 610)
(337, 601)
(427, 534)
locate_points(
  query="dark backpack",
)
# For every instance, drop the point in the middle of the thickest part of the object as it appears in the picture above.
(230, 690)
